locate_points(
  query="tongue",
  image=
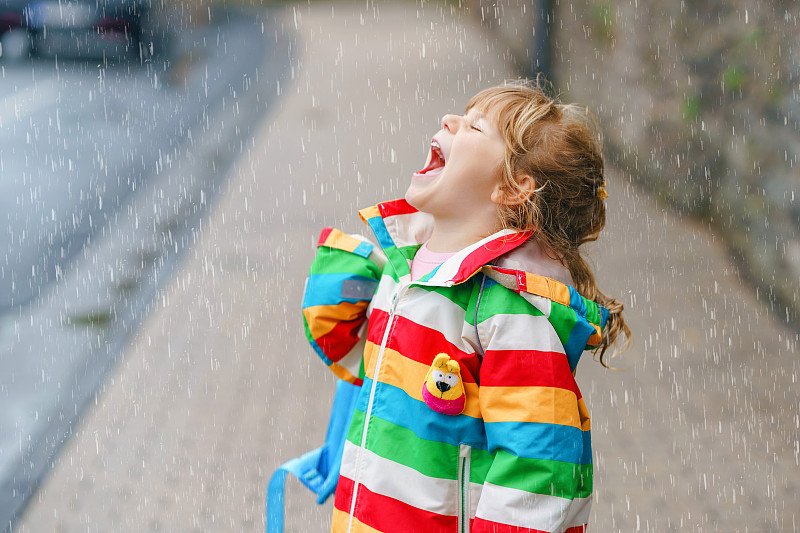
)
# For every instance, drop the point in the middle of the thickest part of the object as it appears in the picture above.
(436, 162)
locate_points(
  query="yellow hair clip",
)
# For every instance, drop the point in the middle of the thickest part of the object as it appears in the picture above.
(601, 191)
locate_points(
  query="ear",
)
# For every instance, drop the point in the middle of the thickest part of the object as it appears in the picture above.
(440, 361)
(526, 186)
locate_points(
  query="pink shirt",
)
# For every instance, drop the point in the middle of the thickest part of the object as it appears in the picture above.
(425, 261)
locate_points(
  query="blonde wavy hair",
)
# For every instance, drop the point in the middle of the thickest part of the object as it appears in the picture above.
(559, 146)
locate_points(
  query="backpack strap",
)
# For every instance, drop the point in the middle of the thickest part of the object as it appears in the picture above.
(318, 469)
(304, 469)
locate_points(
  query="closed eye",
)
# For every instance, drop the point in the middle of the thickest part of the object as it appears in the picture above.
(476, 128)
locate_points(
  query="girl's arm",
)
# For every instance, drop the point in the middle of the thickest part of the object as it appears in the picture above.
(537, 426)
(340, 286)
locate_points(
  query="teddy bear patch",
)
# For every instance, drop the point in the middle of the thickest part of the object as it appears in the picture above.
(443, 389)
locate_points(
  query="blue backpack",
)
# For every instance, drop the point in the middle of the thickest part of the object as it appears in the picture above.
(319, 468)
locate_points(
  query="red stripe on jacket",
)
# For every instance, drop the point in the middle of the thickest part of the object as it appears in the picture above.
(388, 514)
(395, 207)
(489, 251)
(323, 236)
(407, 337)
(340, 340)
(527, 368)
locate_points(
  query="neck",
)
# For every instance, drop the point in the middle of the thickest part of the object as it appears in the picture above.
(449, 236)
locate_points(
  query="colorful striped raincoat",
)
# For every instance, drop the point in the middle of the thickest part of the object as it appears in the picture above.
(517, 458)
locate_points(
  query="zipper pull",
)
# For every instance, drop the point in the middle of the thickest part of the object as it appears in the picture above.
(395, 298)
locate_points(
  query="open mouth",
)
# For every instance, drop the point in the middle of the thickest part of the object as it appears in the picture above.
(437, 159)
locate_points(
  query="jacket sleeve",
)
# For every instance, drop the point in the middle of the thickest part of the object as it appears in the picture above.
(343, 278)
(537, 426)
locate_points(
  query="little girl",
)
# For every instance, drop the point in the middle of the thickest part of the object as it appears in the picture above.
(464, 326)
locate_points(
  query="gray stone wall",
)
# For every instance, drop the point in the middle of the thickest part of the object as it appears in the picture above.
(700, 103)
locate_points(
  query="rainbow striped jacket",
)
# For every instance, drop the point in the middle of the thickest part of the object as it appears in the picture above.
(518, 455)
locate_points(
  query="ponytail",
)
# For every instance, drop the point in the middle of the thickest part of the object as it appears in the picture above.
(585, 284)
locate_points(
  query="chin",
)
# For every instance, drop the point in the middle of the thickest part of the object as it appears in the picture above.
(412, 199)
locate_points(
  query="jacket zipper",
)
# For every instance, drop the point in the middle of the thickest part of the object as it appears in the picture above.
(389, 322)
(464, 504)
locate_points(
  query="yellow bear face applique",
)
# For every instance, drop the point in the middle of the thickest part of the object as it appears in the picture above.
(443, 390)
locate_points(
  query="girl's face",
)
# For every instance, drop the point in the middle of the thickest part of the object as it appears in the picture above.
(461, 175)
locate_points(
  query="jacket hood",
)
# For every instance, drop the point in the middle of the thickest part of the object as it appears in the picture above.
(531, 258)
(510, 258)
(400, 230)
(397, 224)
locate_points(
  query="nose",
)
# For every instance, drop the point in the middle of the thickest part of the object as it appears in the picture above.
(442, 386)
(451, 123)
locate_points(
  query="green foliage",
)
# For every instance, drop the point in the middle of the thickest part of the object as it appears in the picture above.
(775, 93)
(753, 37)
(98, 319)
(691, 107)
(734, 78)
(603, 22)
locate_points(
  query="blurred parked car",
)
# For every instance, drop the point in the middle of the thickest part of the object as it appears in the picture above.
(11, 14)
(84, 29)
(14, 41)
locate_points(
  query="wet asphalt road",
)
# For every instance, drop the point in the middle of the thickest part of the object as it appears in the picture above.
(76, 139)
(107, 173)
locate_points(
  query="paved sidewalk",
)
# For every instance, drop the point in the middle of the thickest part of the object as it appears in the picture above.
(699, 433)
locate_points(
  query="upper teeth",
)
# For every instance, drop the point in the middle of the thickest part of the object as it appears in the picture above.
(435, 146)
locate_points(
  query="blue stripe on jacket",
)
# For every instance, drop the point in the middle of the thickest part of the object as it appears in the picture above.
(326, 289)
(533, 440)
